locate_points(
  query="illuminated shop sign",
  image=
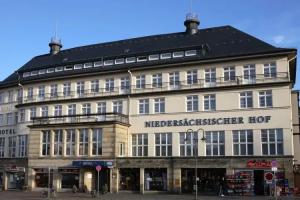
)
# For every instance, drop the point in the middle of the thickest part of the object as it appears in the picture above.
(259, 164)
(209, 121)
(92, 163)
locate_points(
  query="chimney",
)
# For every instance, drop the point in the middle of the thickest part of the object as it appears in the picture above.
(55, 45)
(191, 23)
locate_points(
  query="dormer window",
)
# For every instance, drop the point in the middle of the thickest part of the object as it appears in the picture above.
(98, 64)
(178, 54)
(59, 69)
(26, 74)
(154, 57)
(68, 67)
(165, 56)
(50, 70)
(78, 66)
(130, 60)
(119, 61)
(142, 58)
(34, 73)
(42, 71)
(88, 65)
(191, 53)
(108, 62)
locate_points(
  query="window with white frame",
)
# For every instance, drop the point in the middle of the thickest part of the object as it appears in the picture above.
(246, 99)
(67, 89)
(95, 86)
(210, 102)
(30, 93)
(174, 80)
(144, 106)
(108, 62)
(215, 143)
(140, 144)
(41, 92)
(12, 146)
(86, 108)
(125, 83)
(58, 110)
(210, 76)
(44, 111)
(229, 73)
(119, 61)
(70, 142)
(272, 141)
(101, 107)
(157, 80)
(130, 60)
(178, 54)
(163, 144)
(83, 141)
(249, 73)
(109, 85)
(154, 57)
(22, 115)
(159, 105)
(2, 147)
(122, 149)
(140, 82)
(72, 109)
(46, 142)
(80, 88)
(42, 71)
(32, 113)
(165, 56)
(78, 66)
(265, 98)
(192, 77)
(97, 141)
(9, 119)
(2, 120)
(88, 65)
(59, 69)
(2, 97)
(188, 143)
(50, 70)
(190, 53)
(98, 63)
(270, 70)
(22, 145)
(53, 90)
(117, 106)
(242, 142)
(16, 119)
(58, 142)
(192, 103)
(10, 95)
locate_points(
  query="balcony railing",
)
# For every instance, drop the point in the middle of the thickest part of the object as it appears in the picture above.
(159, 87)
(80, 118)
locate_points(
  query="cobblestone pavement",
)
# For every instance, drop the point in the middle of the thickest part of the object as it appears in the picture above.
(14, 195)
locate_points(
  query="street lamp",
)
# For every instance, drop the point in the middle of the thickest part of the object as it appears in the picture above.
(195, 140)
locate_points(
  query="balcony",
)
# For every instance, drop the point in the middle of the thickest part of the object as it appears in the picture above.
(160, 87)
(94, 118)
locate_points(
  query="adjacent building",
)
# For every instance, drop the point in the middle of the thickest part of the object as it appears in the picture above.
(149, 111)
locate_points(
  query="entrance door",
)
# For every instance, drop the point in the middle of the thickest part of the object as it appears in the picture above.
(259, 182)
(104, 178)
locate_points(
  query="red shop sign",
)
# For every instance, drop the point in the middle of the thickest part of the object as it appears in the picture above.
(259, 164)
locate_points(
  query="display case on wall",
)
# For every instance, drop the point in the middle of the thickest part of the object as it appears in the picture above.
(241, 183)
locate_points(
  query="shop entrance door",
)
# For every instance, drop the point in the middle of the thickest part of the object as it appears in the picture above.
(259, 182)
(104, 181)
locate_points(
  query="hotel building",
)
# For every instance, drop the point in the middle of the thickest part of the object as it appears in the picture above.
(149, 111)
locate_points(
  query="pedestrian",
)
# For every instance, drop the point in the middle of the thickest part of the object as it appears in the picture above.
(221, 186)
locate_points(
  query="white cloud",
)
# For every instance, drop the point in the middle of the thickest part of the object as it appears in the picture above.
(278, 39)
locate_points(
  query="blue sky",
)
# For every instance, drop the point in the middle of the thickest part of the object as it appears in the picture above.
(26, 26)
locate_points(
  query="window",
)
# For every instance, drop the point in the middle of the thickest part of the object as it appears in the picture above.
(130, 60)
(98, 64)
(122, 149)
(1, 97)
(165, 56)
(192, 77)
(42, 71)
(119, 61)
(215, 143)
(30, 93)
(139, 145)
(246, 100)
(26, 74)
(32, 113)
(210, 76)
(9, 119)
(59, 69)
(12, 146)
(72, 109)
(174, 80)
(80, 88)
(265, 98)
(188, 144)
(68, 67)
(178, 54)
(44, 111)
(140, 82)
(2, 147)
(125, 84)
(67, 89)
(58, 110)
(192, 103)
(2, 119)
(210, 102)
(53, 90)
(163, 144)
(78, 66)
(249, 73)
(22, 115)
(144, 106)
(270, 70)
(20, 94)
(242, 142)
(272, 141)
(10, 96)
(109, 85)
(70, 142)
(22, 145)
(157, 80)
(83, 141)
(153, 57)
(41, 93)
(191, 53)
(97, 141)
(142, 58)
(34, 73)
(16, 120)
(159, 105)
(88, 65)
(50, 70)
(86, 108)
(46, 142)
(101, 107)
(58, 143)
(117, 106)
(108, 62)
(95, 86)
(229, 73)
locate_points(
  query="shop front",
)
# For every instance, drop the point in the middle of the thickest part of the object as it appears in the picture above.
(69, 177)
(1, 181)
(15, 177)
(155, 179)
(41, 177)
(129, 179)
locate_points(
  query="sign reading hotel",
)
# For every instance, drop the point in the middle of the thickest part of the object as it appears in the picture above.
(208, 121)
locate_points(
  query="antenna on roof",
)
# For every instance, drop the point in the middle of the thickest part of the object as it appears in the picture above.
(55, 43)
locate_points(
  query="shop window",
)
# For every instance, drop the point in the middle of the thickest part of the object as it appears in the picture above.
(163, 144)
(156, 179)
(140, 145)
(242, 142)
(215, 143)
(41, 178)
(129, 179)
(272, 141)
(188, 144)
(68, 180)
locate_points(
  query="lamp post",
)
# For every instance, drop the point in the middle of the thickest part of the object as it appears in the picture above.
(195, 140)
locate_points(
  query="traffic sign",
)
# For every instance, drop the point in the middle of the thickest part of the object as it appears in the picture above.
(98, 168)
(274, 169)
(274, 163)
(269, 176)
